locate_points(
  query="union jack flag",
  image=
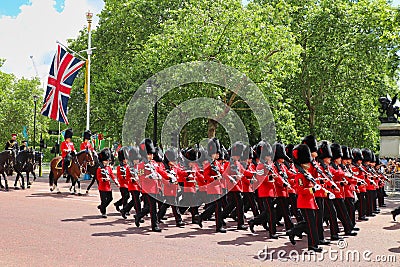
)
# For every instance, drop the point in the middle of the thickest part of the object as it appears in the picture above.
(63, 71)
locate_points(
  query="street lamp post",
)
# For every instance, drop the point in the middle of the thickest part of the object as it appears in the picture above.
(89, 17)
(35, 98)
(149, 90)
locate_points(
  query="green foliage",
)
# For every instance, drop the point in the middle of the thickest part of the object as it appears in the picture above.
(321, 64)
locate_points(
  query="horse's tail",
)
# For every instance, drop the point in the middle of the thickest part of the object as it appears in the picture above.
(51, 178)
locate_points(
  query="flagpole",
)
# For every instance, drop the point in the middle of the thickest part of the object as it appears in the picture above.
(89, 17)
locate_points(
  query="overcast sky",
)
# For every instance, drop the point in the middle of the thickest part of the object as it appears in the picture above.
(32, 27)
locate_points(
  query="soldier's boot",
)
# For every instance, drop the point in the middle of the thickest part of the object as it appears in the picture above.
(1, 185)
(6, 185)
(395, 213)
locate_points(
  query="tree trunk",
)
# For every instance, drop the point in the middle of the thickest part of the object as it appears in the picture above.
(212, 128)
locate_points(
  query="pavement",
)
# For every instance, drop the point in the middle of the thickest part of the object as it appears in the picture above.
(42, 228)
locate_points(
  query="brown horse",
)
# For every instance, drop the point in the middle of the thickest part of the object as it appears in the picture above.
(78, 163)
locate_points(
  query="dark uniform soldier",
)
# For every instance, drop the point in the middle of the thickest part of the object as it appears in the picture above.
(24, 146)
(12, 144)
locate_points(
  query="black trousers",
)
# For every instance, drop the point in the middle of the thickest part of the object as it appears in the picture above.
(283, 207)
(370, 201)
(105, 198)
(319, 217)
(310, 229)
(381, 196)
(150, 206)
(343, 215)
(135, 202)
(235, 201)
(124, 197)
(248, 197)
(214, 207)
(351, 209)
(294, 211)
(362, 204)
(332, 216)
(267, 215)
(169, 201)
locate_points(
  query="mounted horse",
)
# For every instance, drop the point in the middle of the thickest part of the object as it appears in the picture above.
(25, 162)
(7, 160)
(78, 164)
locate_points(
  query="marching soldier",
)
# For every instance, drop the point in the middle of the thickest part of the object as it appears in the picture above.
(123, 176)
(149, 180)
(325, 157)
(248, 184)
(320, 194)
(360, 173)
(67, 150)
(104, 175)
(340, 180)
(133, 183)
(282, 184)
(234, 172)
(213, 175)
(171, 173)
(371, 190)
(305, 186)
(265, 176)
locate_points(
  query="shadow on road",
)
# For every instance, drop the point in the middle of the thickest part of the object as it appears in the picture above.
(395, 226)
(128, 231)
(395, 250)
(55, 195)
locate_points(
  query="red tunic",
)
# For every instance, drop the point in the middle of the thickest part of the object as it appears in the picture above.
(360, 175)
(191, 179)
(214, 185)
(104, 177)
(87, 145)
(133, 185)
(338, 178)
(266, 181)
(149, 177)
(66, 147)
(247, 180)
(281, 185)
(123, 175)
(305, 195)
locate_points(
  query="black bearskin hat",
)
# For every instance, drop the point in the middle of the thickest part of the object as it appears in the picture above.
(280, 152)
(146, 147)
(134, 154)
(302, 154)
(121, 154)
(336, 151)
(171, 154)
(87, 135)
(191, 154)
(68, 133)
(289, 150)
(248, 153)
(311, 142)
(324, 150)
(357, 155)
(104, 155)
(346, 153)
(237, 149)
(213, 146)
(367, 155)
(263, 150)
(158, 155)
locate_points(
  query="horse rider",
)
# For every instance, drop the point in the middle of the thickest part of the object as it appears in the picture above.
(67, 150)
(12, 144)
(24, 146)
(87, 143)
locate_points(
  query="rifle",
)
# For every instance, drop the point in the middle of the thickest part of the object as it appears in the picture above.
(317, 186)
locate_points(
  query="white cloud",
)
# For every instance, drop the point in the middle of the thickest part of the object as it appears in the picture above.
(36, 29)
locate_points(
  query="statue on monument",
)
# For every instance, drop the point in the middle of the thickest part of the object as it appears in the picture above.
(391, 107)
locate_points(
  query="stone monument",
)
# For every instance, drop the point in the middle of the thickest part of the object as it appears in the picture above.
(390, 127)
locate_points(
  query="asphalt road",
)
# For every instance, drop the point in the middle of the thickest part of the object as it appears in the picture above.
(39, 228)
